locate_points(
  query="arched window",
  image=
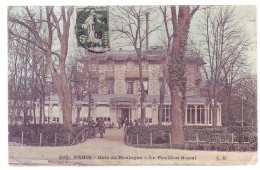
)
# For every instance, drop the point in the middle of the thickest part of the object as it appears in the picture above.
(191, 114)
(130, 65)
(110, 66)
(200, 114)
(144, 65)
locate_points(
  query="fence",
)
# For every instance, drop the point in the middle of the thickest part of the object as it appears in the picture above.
(56, 139)
(221, 142)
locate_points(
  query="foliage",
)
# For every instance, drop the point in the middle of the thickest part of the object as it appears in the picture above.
(160, 134)
(31, 134)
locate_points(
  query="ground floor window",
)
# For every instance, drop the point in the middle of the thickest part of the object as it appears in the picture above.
(210, 115)
(191, 114)
(148, 120)
(56, 119)
(106, 119)
(166, 117)
(47, 119)
(83, 119)
(198, 114)
(148, 115)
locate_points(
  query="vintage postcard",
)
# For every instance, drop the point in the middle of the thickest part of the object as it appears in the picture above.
(132, 85)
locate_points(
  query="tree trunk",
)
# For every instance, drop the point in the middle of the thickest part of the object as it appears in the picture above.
(160, 112)
(89, 104)
(78, 114)
(142, 98)
(34, 114)
(176, 68)
(60, 79)
(229, 100)
(41, 111)
(177, 122)
(214, 113)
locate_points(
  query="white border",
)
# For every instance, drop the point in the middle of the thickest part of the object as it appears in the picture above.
(4, 64)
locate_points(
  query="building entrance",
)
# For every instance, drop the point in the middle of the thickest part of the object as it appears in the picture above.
(124, 113)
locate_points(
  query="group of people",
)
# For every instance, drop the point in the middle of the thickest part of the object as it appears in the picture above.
(123, 122)
(100, 124)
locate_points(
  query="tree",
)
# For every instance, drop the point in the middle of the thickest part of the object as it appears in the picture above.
(44, 40)
(130, 24)
(224, 48)
(176, 69)
(164, 66)
(85, 79)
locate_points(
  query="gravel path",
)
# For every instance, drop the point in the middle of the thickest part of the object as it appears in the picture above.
(111, 150)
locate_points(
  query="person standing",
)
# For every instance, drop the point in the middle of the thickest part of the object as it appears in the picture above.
(101, 127)
(119, 122)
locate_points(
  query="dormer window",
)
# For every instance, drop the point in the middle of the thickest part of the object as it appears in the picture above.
(130, 65)
(144, 65)
(93, 67)
(110, 66)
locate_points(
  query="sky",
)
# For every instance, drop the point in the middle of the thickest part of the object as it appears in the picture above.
(247, 14)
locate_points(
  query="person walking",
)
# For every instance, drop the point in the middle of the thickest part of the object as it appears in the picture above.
(101, 127)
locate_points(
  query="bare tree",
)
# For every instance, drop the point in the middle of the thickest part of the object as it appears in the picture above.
(176, 69)
(224, 48)
(130, 24)
(44, 40)
(167, 41)
(85, 79)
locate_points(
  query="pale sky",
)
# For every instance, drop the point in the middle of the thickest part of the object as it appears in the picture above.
(247, 13)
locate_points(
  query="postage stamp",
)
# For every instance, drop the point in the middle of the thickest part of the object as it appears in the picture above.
(92, 28)
(145, 85)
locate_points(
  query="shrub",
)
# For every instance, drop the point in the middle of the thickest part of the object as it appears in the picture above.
(31, 134)
(160, 135)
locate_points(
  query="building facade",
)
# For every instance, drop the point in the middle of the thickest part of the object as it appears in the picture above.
(119, 95)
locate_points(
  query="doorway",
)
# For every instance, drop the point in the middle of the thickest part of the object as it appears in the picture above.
(124, 113)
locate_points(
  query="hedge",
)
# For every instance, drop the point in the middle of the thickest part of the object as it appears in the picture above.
(31, 134)
(160, 134)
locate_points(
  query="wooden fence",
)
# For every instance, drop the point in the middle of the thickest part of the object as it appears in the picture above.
(223, 142)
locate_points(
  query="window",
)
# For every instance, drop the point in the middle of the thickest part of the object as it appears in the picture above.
(166, 87)
(110, 66)
(200, 114)
(191, 114)
(47, 119)
(83, 119)
(130, 87)
(55, 119)
(130, 65)
(94, 86)
(196, 114)
(93, 67)
(105, 119)
(111, 87)
(144, 65)
(148, 120)
(209, 115)
(145, 83)
(166, 117)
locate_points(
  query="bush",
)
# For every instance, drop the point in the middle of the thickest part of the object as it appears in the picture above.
(31, 134)
(160, 135)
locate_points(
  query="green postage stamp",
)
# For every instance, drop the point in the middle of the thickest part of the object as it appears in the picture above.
(92, 28)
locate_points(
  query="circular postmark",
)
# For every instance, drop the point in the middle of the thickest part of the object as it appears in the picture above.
(92, 29)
